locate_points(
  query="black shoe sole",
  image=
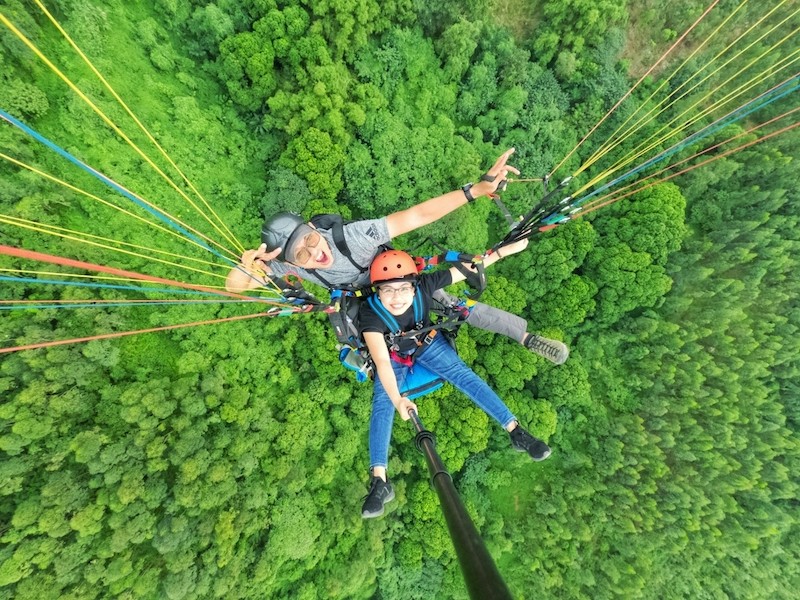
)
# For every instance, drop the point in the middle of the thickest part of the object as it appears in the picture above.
(540, 459)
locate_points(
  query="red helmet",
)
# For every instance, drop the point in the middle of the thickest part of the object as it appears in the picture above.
(392, 265)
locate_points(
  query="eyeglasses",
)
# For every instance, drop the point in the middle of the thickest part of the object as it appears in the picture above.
(389, 292)
(303, 254)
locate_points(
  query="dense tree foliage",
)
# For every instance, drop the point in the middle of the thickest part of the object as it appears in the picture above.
(229, 460)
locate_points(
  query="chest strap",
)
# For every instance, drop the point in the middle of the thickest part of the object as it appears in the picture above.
(391, 323)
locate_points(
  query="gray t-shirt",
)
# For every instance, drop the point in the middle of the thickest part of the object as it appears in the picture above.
(363, 238)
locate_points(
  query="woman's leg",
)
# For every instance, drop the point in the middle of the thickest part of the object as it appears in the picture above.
(381, 421)
(442, 360)
(380, 427)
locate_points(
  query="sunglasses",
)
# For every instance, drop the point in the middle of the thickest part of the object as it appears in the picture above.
(303, 254)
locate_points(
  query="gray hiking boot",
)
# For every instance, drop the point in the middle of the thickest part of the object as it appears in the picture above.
(553, 350)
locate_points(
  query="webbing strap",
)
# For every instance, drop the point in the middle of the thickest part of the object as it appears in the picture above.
(384, 315)
(338, 238)
(394, 327)
(417, 304)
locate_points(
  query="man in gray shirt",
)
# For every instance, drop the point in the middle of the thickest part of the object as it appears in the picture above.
(301, 249)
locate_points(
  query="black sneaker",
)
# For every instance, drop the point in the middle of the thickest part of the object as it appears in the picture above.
(522, 441)
(380, 492)
(553, 350)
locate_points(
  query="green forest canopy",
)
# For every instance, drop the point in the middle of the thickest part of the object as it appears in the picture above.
(230, 460)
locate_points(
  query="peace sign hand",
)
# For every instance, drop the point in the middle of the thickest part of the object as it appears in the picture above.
(496, 177)
(257, 259)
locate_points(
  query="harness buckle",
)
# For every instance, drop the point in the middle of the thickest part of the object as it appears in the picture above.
(428, 339)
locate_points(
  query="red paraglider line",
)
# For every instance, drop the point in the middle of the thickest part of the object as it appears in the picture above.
(681, 172)
(687, 159)
(68, 262)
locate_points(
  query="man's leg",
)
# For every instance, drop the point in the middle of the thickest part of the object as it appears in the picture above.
(489, 318)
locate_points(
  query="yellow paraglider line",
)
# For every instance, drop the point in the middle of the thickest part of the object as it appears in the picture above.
(230, 237)
(630, 91)
(76, 237)
(613, 142)
(98, 199)
(618, 195)
(116, 129)
(674, 129)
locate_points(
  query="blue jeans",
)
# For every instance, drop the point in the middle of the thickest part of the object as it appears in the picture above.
(441, 359)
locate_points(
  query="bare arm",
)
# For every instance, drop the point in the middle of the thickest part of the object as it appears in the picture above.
(383, 367)
(492, 258)
(434, 209)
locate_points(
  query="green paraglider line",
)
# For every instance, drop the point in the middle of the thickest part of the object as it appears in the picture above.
(641, 79)
(160, 215)
(33, 305)
(738, 114)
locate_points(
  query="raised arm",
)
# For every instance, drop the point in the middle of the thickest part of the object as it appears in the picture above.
(434, 209)
(383, 367)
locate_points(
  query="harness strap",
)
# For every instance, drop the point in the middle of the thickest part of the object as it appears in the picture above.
(324, 281)
(394, 327)
(406, 361)
(476, 279)
(338, 238)
(417, 304)
(293, 291)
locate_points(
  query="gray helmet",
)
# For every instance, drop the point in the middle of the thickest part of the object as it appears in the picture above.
(283, 230)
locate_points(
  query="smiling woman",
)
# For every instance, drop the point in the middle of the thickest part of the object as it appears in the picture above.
(399, 333)
(390, 291)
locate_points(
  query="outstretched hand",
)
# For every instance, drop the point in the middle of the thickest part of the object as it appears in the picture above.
(513, 248)
(495, 176)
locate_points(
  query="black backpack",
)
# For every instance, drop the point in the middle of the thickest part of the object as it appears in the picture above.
(348, 296)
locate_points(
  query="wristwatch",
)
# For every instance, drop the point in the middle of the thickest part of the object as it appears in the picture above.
(466, 189)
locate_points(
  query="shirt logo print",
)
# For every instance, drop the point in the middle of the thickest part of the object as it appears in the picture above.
(372, 232)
